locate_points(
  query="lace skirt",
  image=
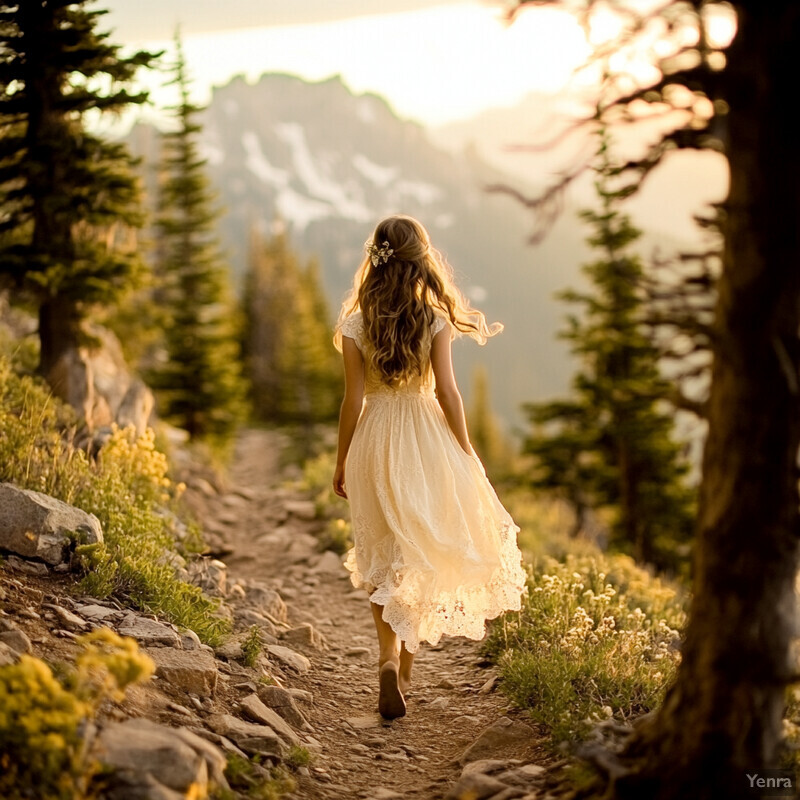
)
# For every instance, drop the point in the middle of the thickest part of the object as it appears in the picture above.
(433, 544)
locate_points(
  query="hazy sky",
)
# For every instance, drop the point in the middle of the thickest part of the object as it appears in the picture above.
(434, 60)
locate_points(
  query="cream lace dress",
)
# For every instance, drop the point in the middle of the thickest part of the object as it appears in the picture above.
(433, 544)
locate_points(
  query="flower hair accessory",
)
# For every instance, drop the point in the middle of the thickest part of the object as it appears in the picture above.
(378, 255)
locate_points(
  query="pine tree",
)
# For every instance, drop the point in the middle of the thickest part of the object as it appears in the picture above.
(484, 430)
(293, 368)
(69, 200)
(199, 386)
(612, 445)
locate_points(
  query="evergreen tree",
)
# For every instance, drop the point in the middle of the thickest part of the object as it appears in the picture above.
(484, 430)
(199, 386)
(612, 446)
(293, 367)
(69, 199)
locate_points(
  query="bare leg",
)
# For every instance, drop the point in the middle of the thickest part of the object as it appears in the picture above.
(391, 702)
(406, 663)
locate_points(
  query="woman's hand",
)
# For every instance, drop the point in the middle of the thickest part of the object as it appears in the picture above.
(338, 481)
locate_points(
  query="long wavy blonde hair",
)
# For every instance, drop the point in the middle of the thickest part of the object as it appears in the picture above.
(398, 300)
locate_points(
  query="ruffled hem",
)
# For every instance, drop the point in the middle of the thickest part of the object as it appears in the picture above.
(419, 609)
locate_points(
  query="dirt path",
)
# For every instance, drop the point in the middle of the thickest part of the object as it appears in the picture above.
(356, 753)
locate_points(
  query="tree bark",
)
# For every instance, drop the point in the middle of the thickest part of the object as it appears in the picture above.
(722, 717)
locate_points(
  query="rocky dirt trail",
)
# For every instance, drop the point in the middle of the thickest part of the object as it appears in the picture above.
(297, 677)
(459, 737)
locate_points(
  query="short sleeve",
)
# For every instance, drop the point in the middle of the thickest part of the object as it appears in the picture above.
(439, 322)
(353, 327)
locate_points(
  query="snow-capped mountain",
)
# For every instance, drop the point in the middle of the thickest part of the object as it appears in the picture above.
(330, 164)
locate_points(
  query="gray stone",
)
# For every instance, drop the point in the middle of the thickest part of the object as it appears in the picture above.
(282, 701)
(496, 739)
(382, 793)
(444, 683)
(139, 746)
(250, 737)
(27, 567)
(489, 685)
(98, 613)
(289, 658)
(253, 708)
(476, 786)
(194, 672)
(148, 632)
(439, 704)
(210, 574)
(247, 616)
(35, 525)
(16, 640)
(130, 786)
(304, 635)
(362, 723)
(301, 696)
(521, 776)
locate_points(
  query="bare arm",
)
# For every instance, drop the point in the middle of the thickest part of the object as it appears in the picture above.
(447, 390)
(350, 409)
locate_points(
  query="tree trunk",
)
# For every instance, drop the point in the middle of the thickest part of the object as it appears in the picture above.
(722, 717)
(59, 330)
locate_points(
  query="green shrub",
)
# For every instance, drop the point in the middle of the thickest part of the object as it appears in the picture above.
(596, 638)
(126, 486)
(43, 720)
(252, 647)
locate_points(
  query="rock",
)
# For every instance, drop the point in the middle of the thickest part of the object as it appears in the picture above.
(289, 658)
(304, 635)
(148, 632)
(301, 696)
(202, 485)
(223, 743)
(357, 652)
(250, 737)
(476, 786)
(521, 776)
(246, 616)
(232, 649)
(302, 509)
(496, 739)
(35, 525)
(489, 685)
(486, 766)
(98, 613)
(439, 704)
(444, 683)
(267, 601)
(190, 640)
(282, 701)
(7, 655)
(129, 786)
(329, 563)
(382, 793)
(210, 574)
(215, 760)
(139, 746)
(68, 620)
(194, 672)
(362, 723)
(97, 383)
(28, 567)
(16, 641)
(253, 708)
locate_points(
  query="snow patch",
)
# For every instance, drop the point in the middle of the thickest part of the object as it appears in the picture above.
(365, 111)
(231, 107)
(257, 163)
(380, 176)
(320, 185)
(300, 210)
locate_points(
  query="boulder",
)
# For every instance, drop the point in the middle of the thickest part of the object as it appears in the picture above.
(35, 525)
(267, 601)
(476, 786)
(254, 709)
(194, 671)
(137, 748)
(97, 383)
(304, 635)
(7, 655)
(250, 737)
(16, 641)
